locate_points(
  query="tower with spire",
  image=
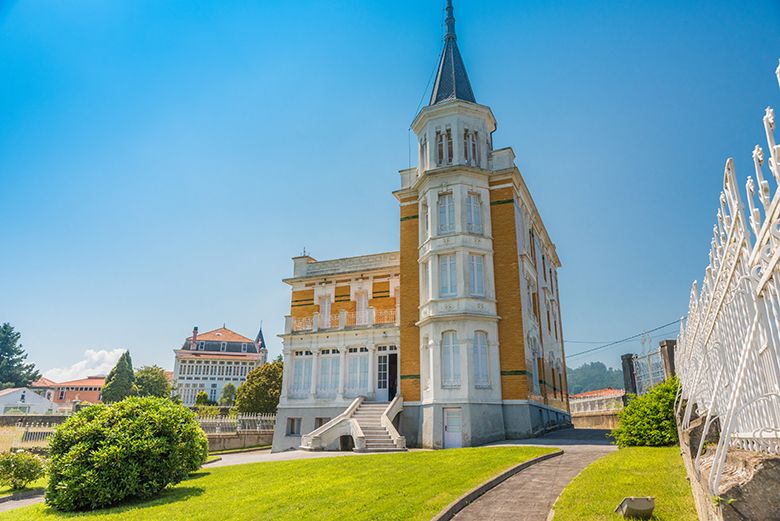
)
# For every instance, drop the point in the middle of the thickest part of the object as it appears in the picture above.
(478, 347)
(455, 340)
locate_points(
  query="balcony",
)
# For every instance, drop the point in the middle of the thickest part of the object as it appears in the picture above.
(341, 320)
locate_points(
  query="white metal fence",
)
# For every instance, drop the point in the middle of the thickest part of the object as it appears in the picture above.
(728, 352)
(648, 371)
(29, 436)
(244, 422)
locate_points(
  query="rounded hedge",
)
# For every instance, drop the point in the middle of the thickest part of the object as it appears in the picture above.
(648, 420)
(131, 449)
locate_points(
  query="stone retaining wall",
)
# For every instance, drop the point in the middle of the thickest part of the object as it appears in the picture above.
(239, 440)
(595, 420)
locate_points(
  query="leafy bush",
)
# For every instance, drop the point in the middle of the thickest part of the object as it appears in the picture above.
(17, 469)
(202, 398)
(648, 420)
(131, 449)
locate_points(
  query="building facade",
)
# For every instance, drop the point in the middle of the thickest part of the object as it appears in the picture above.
(208, 361)
(477, 329)
(21, 400)
(67, 394)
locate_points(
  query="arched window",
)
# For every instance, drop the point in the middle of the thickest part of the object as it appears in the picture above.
(450, 360)
(481, 373)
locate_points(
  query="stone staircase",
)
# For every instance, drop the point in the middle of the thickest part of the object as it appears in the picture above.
(368, 415)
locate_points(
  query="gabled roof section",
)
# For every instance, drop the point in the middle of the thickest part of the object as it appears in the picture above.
(452, 81)
(221, 334)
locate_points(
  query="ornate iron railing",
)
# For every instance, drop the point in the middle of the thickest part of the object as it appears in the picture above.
(241, 423)
(728, 351)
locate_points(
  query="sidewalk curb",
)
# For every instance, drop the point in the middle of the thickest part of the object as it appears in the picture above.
(22, 495)
(219, 458)
(469, 497)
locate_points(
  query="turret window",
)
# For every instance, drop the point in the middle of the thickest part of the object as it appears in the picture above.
(470, 148)
(450, 360)
(474, 213)
(481, 378)
(448, 276)
(444, 147)
(477, 275)
(446, 206)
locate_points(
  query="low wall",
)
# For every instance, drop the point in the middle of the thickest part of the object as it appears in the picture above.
(749, 488)
(595, 420)
(7, 420)
(239, 440)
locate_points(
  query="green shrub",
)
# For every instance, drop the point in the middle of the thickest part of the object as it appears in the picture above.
(131, 449)
(17, 469)
(648, 420)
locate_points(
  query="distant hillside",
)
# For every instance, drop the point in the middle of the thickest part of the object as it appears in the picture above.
(592, 376)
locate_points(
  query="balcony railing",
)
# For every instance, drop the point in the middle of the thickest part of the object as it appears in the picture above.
(341, 320)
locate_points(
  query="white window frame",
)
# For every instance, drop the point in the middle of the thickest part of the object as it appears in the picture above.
(450, 359)
(481, 360)
(448, 275)
(445, 206)
(476, 275)
(474, 213)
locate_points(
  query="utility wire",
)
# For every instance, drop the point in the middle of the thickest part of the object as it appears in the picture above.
(616, 342)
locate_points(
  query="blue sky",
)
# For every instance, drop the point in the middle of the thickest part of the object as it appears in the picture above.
(160, 162)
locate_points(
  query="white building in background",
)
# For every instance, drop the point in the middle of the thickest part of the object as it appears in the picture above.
(24, 400)
(208, 361)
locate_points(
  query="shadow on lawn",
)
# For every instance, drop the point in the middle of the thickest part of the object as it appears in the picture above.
(170, 495)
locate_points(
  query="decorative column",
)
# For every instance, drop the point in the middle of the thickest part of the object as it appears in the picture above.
(315, 363)
(342, 372)
(286, 374)
(371, 370)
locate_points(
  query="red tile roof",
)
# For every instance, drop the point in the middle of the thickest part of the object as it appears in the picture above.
(599, 393)
(221, 334)
(90, 381)
(43, 382)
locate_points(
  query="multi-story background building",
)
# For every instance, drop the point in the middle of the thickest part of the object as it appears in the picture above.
(208, 361)
(477, 334)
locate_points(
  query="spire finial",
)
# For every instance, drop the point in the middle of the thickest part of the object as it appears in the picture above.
(450, 21)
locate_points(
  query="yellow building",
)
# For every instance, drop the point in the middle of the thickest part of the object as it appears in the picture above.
(470, 346)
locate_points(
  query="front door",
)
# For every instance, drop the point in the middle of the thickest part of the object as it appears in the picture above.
(382, 378)
(453, 421)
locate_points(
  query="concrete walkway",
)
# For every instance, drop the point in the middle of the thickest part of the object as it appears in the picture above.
(530, 494)
(18, 503)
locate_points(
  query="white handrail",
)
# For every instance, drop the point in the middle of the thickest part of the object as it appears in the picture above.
(341, 425)
(388, 415)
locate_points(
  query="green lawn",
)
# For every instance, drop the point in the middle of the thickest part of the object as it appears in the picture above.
(38, 484)
(634, 471)
(410, 485)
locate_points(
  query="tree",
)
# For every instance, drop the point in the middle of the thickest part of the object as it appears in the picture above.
(592, 376)
(151, 381)
(120, 381)
(14, 372)
(202, 398)
(228, 395)
(261, 391)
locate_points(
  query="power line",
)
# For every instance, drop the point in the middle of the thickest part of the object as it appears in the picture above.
(616, 342)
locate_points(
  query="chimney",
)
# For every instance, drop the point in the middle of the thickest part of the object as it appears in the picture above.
(194, 343)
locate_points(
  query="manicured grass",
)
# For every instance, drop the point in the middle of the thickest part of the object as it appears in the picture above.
(633, 471)
(408, 486)
(38, 484)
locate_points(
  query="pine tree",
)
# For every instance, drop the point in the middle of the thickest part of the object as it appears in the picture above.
(14, 372)
(120, 382)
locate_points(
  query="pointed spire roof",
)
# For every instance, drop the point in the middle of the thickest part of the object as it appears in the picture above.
(260, 340)
(452, 81)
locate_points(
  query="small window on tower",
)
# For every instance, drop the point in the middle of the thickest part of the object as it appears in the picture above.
(439, 148)
(449, 146)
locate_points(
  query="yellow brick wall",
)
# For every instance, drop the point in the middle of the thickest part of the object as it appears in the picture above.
(410, 299)
(514, 375)
(302, 303)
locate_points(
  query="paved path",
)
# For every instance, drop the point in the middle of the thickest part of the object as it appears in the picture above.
(530, 494)
(9, 505)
